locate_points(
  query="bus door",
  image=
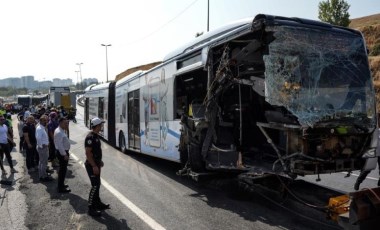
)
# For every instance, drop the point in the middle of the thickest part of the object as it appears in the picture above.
(134, 119)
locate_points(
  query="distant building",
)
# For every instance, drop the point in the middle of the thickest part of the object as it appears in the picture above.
(29, 82)
(11, 82)
(45, 84)
(62, 82)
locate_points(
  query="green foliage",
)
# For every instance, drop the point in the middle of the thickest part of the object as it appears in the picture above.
(334, 12)
(375, 50)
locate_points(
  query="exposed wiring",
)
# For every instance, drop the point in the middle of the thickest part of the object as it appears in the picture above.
(296, 213)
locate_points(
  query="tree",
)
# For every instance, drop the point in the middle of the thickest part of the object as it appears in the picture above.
(334, 12)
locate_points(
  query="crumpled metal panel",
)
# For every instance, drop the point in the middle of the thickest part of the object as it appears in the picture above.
(317, 75)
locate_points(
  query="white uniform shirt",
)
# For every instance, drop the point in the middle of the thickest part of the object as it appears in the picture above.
(41, 136)
(3, 134)
(61, 141)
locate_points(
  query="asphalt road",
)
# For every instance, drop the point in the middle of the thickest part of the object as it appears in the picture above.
(145, 193)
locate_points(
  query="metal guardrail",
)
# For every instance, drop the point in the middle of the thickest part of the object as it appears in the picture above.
(80, 101)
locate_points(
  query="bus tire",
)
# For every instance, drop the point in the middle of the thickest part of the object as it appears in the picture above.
(122, 144)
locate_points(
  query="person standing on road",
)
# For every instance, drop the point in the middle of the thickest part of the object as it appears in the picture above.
(364, 173)
(52, 125)
(62, 145)
(20, 126)
(93, 165)
(4, 145)
(30, 143)
(43, 148)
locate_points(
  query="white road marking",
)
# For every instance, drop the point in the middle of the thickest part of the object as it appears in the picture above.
(140, 213)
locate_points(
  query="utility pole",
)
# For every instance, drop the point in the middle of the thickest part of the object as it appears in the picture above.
(80, 71)
(106, 59)
(208, 14)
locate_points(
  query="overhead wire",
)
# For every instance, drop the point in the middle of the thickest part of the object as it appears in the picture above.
(165, 24)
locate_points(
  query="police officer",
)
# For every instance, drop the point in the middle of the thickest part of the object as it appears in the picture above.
(93, 165)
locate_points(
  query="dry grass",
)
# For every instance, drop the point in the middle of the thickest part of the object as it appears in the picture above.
(370, 27)
(371, 20)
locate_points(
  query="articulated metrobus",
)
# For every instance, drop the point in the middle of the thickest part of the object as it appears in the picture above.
(269, 93)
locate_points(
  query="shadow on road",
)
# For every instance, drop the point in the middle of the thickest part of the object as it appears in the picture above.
(220, 191)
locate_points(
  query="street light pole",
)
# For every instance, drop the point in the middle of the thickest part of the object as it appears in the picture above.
(80, 72)
(106, 59)
(76, 71)
(208, 14)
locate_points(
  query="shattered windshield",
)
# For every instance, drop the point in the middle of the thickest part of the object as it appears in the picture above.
(318, 75)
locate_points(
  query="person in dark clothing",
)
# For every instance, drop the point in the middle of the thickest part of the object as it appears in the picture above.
(364, 173)
(30, 143)
(93, 165)
(52, 125)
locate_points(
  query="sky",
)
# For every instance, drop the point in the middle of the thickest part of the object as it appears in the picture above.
(47, 38)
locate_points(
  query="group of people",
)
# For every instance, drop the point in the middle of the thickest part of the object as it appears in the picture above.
(45, 138)
(42, 140)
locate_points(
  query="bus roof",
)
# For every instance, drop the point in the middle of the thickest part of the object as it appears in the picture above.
(129, 77)
(101, 86)
(211, 35)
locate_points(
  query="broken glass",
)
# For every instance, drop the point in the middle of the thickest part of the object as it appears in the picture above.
(318, 75)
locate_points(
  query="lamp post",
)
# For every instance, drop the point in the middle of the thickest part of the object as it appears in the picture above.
(208, 14)
(80, 72)
(106, 59)
(76, 71)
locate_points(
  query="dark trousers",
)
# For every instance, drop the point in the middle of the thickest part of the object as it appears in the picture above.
(93, 198)
(30, 156)
(21, 144)
(364, 173)
(51, 149)
(5, 149)
(62, 169)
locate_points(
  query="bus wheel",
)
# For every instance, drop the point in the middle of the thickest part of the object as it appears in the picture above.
(122, 144)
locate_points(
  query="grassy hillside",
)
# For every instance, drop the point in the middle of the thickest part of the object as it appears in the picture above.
(370, 27)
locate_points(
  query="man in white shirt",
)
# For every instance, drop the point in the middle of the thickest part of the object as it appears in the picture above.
(62, 146)
(43, 148)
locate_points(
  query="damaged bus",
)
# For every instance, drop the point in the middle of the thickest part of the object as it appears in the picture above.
(274, 94)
